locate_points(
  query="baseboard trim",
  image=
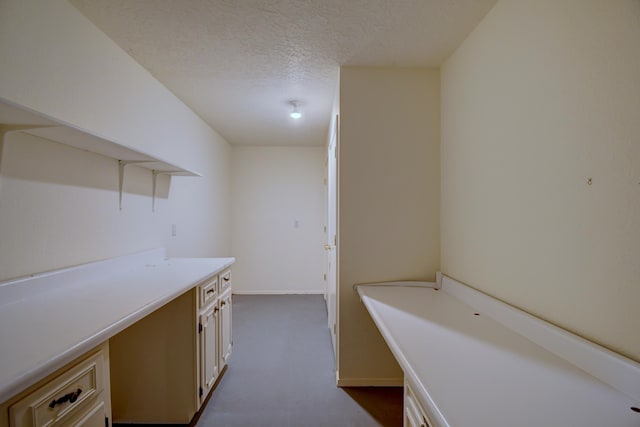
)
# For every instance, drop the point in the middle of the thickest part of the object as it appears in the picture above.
(371, 382)
(278, 292)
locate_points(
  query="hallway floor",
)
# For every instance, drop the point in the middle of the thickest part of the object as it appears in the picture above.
(281, 372)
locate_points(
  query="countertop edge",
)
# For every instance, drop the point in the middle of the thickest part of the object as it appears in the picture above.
(28, 378)
(391, 310)
(436, 417)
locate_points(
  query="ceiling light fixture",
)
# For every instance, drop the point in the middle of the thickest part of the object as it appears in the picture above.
(295, 114)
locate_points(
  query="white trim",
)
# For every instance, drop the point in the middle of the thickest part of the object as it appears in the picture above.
(278, 292)
(619, 372)
(371, 382)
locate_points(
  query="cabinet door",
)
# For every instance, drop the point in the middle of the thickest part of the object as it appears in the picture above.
(226, 338)
(208, 349)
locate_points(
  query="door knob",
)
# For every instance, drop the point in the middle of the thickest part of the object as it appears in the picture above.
(327, 247)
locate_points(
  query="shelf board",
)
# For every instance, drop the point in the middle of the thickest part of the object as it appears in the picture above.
(17, 119)
(11, 115)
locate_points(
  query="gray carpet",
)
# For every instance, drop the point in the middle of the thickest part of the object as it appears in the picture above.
(281, 372)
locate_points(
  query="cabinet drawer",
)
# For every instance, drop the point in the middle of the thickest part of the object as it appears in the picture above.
(225, 280)
(208, 291)
(62, 398)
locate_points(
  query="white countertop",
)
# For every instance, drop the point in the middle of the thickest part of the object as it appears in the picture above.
(470, 370)
(49, 320)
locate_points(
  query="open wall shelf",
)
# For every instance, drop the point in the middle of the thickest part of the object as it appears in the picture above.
(14, 118)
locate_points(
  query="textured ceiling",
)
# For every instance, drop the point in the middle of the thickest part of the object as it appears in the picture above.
(237, 63)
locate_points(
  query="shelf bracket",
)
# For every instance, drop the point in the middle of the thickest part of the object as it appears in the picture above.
(154, 175)
(121, 165)
(7, 129)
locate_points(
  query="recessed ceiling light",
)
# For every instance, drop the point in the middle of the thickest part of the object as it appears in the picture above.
(295, 114)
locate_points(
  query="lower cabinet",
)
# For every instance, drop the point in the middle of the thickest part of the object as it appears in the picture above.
(164, 366)
(77, 395)
(160, 370)
(414, 414)
(215, 334)
(154, 366)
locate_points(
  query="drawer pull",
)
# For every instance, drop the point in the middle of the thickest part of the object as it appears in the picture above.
(222, 303)
(226, 278)
(69, 397)
(210, 291)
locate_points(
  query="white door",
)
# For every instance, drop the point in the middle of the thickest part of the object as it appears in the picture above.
(330, 246)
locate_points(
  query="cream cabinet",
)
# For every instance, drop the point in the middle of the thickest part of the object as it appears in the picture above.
(164, 366)
(148, 353)
(208, 327)
(76, 395)
(154, 366)
(414, 414)
(214, 330)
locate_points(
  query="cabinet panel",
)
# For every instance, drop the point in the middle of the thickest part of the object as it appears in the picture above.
(225, 281)
(208, 291)
(94, 418)
(153, 366)
(226, 336)
(208, 349)
(68, 397)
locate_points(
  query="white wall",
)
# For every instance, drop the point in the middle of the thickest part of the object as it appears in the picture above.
(59, 206)
(54, 61)
(389, 167)
(278, 212)
(542, 96)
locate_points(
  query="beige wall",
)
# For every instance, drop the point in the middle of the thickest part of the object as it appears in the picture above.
(64, 212)
(542, 96)
(389, 201)
(277, 219)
